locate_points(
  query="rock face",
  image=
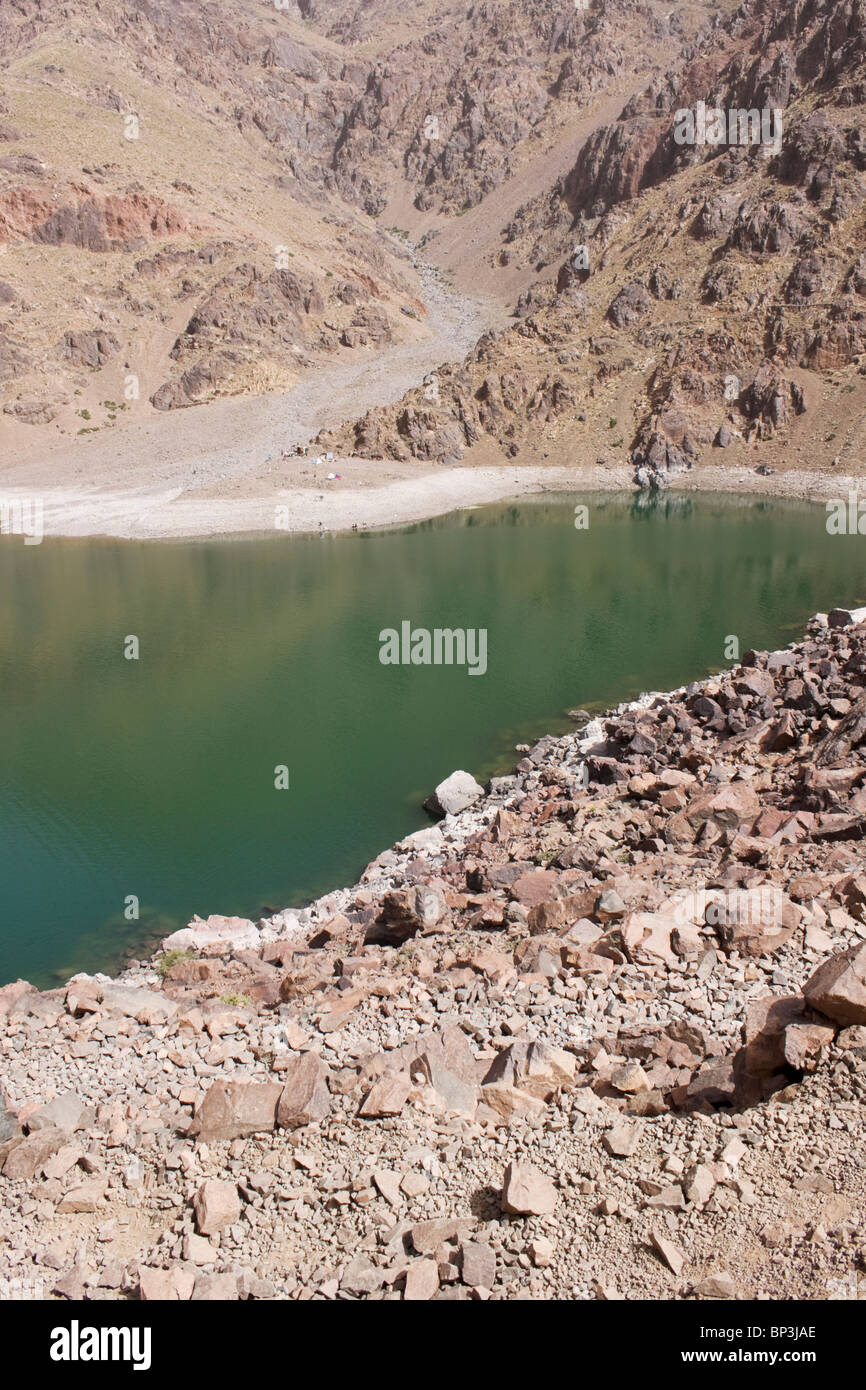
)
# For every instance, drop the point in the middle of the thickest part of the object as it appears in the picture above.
(630, 305)
(719, 286)
(657, 462)
(91, 349)
(326, 124)
(228, 324)
(641, 309)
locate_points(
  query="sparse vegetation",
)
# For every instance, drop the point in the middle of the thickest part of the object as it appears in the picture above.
(169, 959)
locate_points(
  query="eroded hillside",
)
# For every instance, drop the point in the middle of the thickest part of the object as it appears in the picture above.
(689, 298)
(193, 195)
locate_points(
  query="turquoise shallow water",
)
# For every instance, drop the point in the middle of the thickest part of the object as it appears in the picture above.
(155, 777)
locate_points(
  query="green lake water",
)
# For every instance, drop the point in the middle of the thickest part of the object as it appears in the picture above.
(155, 777)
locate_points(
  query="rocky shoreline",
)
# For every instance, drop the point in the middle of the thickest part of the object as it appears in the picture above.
(600, 1033)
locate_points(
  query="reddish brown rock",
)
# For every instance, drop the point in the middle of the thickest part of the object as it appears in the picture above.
(422, 1281)
(755, 921)
(527, 1192)
(387, 1096)
(764, 1029)
(10, 995)
(305, 1097)
(533, 1067)
(86, 1197)
(28, 1155)
(804, 1042)
(216, 1206)
(838, 986)
(534, 887)
(231, 1109)
(733, 805)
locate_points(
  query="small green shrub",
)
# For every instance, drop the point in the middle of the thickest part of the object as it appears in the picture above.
(237, 1001)
(169, 959)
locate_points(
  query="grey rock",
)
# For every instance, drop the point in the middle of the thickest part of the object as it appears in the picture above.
(454, 794)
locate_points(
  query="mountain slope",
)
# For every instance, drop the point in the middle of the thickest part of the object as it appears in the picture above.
(189, 192)
(719, 294)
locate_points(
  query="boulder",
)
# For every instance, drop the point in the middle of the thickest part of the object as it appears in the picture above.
(670, 1253)
(148, 1006)
(621, 1141)
(406, 911)
(754, 921)
(714, 1082)
(454, 794)
(732, 805)
(804, 1042)
(430, 1237)
(233, 1109)
(647, 937)
(444, 1090)
(213, 931)
(838, 986)
(535, 1067)
(361, 1277)
(305, 1097)
(216, 1206)
(215, 1288)
(165, 1285)
(86, 1198)
(10, 995)
(422, 1281)
(387, 1096)
(66, 1113)
(28, 1155)
(526, 1192)
(477, 1264)
(698, 1184)
(764, 1030)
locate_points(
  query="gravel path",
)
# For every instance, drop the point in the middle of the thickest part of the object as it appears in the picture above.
(216, 468)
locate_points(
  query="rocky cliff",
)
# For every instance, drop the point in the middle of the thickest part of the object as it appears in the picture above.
(691, 298)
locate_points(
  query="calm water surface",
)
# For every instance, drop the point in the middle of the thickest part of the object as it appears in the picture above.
(156, 777)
